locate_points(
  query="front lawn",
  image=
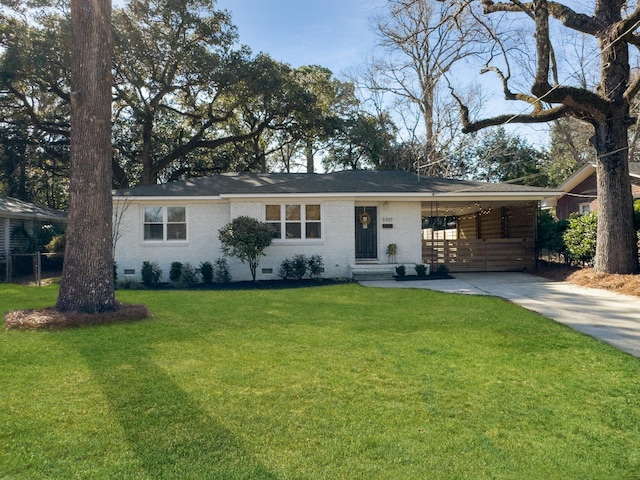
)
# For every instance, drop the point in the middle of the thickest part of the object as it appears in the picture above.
(335, 382)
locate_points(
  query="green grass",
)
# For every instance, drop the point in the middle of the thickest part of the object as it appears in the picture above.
(336, 382)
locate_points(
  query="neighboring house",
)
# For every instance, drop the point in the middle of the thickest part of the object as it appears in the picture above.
(579, 191)
(18, 222)
(348, 218)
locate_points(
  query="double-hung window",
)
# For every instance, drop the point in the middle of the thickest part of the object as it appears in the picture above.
(295, 221)
(165, 224)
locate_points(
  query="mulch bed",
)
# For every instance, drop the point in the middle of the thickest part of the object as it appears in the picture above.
(47, 318)
(586, 277)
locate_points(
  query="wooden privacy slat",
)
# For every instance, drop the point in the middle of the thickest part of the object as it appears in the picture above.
(494, 255)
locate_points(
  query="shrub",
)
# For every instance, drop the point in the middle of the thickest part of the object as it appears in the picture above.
(57, 244)
(221, 271)
(206, 270)
(246, 238)
(189, 275)
(550, 234)
(442, 270)
(315, 266)
(151, 274)
(286, 269)
(299, 267)
(401, 270)
(421, 270)
(175, 272)
(580, 237)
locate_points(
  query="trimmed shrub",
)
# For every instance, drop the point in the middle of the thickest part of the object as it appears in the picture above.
(286, 269)
(315, 266)
(221, 271)
(175, 272)
(151, 274)
(299, 267)
(189, 275)
(401, 270)
(206, 270)
(421, 270)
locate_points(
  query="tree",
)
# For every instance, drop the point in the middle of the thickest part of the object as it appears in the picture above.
(360, 141)
(613, 26)
(420, 45)
(501, 157)
(570, 149)
(246, 238)
(87, 276)
(34, 106)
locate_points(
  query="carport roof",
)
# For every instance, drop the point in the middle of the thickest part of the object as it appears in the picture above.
(343, 182)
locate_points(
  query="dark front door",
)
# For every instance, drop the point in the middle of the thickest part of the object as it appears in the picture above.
(366, 221)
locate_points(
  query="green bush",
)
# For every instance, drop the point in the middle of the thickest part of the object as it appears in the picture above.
(57, 244)
(286, 269)
(175, 272)
(401, 270)
(221, 271)
(421, 270)
(151, 274)
(315, 266)
(206, 270)
(299, 267)
(550, 234)
(442, 270)
(189, 275)
(580, 237)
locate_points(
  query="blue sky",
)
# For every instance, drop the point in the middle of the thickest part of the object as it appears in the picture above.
(331, 33)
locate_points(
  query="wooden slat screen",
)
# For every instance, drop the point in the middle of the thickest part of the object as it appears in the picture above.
(493, 255)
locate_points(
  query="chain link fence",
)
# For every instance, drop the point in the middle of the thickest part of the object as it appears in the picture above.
(29, 267)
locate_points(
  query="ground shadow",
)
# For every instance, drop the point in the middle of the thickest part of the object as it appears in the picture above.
(170, 434)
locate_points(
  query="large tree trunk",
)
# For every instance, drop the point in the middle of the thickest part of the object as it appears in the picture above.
(87, 277)
(616, 248)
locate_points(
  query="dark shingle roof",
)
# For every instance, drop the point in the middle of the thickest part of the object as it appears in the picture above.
(12, 207)
(343, 182)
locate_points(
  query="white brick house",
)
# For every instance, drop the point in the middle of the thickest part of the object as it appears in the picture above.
(348, 218)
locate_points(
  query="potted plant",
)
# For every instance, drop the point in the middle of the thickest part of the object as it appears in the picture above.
(392, 250)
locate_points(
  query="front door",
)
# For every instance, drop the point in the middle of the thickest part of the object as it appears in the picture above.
(366, 222)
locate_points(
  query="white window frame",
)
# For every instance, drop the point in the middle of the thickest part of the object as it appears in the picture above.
(303, 221)
(165, 224)
(584, 207)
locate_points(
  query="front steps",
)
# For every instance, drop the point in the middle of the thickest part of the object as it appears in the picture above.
(373, 271)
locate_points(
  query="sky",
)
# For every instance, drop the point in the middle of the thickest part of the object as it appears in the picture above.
(331, 33)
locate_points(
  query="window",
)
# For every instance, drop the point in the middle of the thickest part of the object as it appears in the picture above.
(165, 224)
(294, 221)
(585, 208)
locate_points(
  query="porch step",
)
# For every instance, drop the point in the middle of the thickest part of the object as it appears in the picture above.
(384, 271)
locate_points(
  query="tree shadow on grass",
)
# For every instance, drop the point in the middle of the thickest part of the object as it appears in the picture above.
(172, 437)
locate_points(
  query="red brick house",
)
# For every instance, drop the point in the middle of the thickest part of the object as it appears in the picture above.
(580, 191)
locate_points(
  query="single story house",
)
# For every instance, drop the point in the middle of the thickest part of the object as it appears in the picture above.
(349, 218)
(580, 191)
(18, 221)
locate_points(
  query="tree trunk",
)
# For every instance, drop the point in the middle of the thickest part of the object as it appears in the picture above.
(616, 248)
(308, 151)
(87, 277)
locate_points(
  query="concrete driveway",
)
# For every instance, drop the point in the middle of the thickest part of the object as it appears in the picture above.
(610, 317)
